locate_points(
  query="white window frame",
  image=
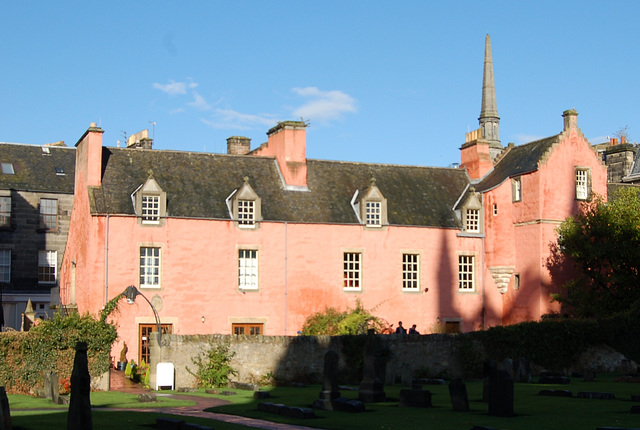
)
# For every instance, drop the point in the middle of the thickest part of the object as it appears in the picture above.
(352, 271)
(582, 183)
(410, 271)
(150, 208)
(49, 213)
(246, 213)
(5, 211)
(517, 189)
(5, 266)
(150, 265)
(47, 267)
(373, 213)
(472, 220)
(466, 272)
(248, 269)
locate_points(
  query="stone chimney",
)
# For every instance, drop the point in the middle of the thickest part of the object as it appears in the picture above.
(475, 155)
(89, 158)
(570, 119)
(288, 144)
(238, 145)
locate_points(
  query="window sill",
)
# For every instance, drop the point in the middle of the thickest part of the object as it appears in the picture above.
(468, 234)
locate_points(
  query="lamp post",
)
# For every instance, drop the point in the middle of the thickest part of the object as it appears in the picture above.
(131, 293)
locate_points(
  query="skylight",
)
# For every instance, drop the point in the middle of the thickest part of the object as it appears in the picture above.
(7, 169)
(59, 171)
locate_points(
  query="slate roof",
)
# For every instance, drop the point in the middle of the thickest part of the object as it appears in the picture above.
(197, 185)
(35, 169)
(517, 161)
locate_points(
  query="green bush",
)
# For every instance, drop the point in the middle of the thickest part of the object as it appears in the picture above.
(50, 347)
(214, 371)
(332, 322)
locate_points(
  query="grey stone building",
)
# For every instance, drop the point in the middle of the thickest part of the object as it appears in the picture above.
(36, 197)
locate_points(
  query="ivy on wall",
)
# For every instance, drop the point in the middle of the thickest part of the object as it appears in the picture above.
(50, 347)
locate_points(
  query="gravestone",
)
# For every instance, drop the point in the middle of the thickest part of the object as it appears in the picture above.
(5, 413)
(415, 398)
(522, 370)
(507, 366)
(406, 375)
(458, 395)
(51, 388)
(348, 405)
(501, 394)
(79, 415)
(371, 387)
(330, 389)
(589, 374)
(489, 368)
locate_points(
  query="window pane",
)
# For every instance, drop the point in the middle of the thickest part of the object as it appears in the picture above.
(5, 211)
(248, 269)
(373, 213)
(5, 265)
(410, 272)
(466, 272)
(352, 272)
(47, 263)
(582, 181)
(150, 209)
(150, 267)
(49, 214)
(246, 212)
(473, 220)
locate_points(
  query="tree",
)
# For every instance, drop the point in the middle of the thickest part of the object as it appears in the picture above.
(602, 242)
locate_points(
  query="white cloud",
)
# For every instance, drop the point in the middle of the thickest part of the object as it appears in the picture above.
(199, 102)
(324, 105)
(228, 118)
(173, 88)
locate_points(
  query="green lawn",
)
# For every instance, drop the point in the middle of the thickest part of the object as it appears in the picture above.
(531, 410)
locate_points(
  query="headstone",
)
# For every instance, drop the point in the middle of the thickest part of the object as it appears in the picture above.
(348, 405)
(556, 393)
(79, 415)
(501, 394)
(371, 388)
(596, 395)
(489, 368)
(507, 366)
(330, 389)
(406, 375)
(589, 374)
(458, 395)
(147, 397)
(5, 413)
(51, 388)
(522, 370)
(415, 398)
(261, 395)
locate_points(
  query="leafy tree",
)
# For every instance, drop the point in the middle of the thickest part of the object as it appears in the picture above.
(602, 243)
(215, 370)
(334, 323)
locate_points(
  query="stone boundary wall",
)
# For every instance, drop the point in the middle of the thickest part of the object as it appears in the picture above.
(301, 358)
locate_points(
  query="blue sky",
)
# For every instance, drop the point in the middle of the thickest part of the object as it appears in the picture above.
(379, 81)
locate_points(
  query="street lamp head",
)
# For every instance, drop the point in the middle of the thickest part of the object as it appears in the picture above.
(131, 293)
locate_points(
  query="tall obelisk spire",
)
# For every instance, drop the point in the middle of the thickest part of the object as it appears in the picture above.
(489, 119)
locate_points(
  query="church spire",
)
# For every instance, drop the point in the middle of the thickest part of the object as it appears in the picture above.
(489, 119)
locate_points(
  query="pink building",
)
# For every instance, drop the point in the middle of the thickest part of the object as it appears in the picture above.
(253, 242)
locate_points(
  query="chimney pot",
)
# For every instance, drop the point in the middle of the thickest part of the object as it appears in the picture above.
(238, 145)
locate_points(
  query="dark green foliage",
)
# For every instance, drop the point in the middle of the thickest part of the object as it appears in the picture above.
(602, 243)
(332, 322)
(214, 371)
(50, 346)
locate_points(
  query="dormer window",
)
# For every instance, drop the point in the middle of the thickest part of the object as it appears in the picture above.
(372, 208)
(246, 213)
(245, 207)
(150, 202)
(471, 212)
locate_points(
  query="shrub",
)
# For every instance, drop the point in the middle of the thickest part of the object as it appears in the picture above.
(332, 322)
(214, 371)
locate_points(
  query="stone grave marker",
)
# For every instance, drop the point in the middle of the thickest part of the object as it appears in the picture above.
(79, 415)
(5, 413)
(371, 387)
(501, 395)
(458, 395)
(522, 370)
(330, 390)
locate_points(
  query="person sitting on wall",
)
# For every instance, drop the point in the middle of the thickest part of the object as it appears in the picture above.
(413, 330)
(400, 329)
